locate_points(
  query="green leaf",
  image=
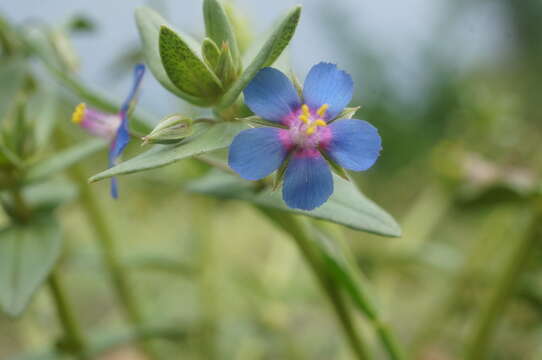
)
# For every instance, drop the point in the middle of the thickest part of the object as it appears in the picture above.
(219, 29)
(185, 69)
(207, 137)
(225, 69)
(12, 75)
(28, 253)
(210, 52)
(48, 195)
(42, 111)
(149, 23)
(270, 51)
(347, 206)
(63, 160)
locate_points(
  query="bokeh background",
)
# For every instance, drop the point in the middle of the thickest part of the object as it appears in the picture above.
(455, 89)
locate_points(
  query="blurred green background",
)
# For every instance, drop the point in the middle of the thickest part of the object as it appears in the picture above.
(454, 88)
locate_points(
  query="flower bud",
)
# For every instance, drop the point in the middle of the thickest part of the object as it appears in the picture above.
(171, 129)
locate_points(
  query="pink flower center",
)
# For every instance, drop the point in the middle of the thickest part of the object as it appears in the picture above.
(306, 129)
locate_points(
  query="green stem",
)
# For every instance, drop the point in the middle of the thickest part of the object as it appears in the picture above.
(22, 211)
(367, 305)
(207, 288)
(110, 254)
(72, 332)
(119, 279)
(503, 291)
(343, 314)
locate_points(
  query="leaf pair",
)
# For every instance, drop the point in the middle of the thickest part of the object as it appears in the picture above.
(173, 60)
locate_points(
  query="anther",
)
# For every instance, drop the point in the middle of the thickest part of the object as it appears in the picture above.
(322, 110)
(305, 109)
(78, 113)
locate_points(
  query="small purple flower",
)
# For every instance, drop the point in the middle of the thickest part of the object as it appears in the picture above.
(311, 129)
(113, 127)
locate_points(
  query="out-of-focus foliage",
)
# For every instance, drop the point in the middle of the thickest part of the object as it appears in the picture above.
(460, 170)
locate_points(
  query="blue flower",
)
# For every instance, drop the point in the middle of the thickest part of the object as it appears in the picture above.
(311, 127)
(113, 127)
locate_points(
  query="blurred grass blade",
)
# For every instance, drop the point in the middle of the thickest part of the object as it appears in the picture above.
(28, 253)
(63, 159)
(347, 206)
(12, 75)
(148, 23)
(219, 29)
(207, 137)
(185, 69)
(271, 50)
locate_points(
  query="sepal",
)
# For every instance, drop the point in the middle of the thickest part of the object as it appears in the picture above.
(171, 129)
(347, 113)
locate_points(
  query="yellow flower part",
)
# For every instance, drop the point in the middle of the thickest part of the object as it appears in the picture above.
(79, 113)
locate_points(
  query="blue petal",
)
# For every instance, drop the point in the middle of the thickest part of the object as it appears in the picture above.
(117, 147)
(326, 84)
(307, 182)
(122, 137)
(355, 144)
(256, 153)
(139, 71)
(271, 95)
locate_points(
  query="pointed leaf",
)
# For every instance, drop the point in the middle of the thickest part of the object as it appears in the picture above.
(28, 253)
(225, 69)
(347, 206)
(63, 159)
(210, 52)
(207, 137)
(148, 23)
(270, 51)
(219, 29)
(185, 69)
(42, 111)
(12, 74)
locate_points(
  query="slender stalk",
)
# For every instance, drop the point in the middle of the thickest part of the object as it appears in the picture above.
(110, 254)
(72, 332)
(22, 211)
(341, 310)
(207, 287)
(367, 304)
(498, 300)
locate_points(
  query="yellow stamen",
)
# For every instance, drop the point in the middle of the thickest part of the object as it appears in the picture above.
(322, 110)
(312, 127)
(320, 122)
(304, 118)
(78, 113)
(306, 110)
